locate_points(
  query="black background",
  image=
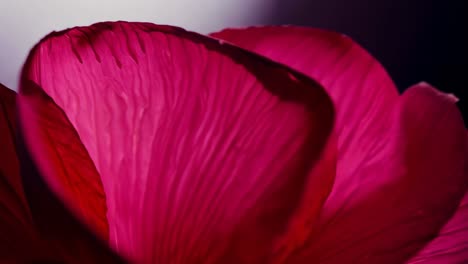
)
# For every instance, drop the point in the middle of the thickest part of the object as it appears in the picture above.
(415, 40)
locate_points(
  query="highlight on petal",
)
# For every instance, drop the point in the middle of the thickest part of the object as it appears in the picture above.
(19, 242)
(401, 166)
(203, 149)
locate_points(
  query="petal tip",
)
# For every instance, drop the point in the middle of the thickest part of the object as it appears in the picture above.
(448, 96)
(424, 84)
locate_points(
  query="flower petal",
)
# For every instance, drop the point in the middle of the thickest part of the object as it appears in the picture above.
(202, 148)
(19, 241)
(451, 243)
(70, 240)
(414, 186)
(388, 180)
(362, 91)
(9, 167)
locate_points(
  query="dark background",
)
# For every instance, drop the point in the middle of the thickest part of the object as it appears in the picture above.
(415, 40)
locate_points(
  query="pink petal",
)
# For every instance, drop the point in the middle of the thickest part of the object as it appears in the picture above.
(401, 167)
(203, 149)
(362, 92)
(451, 243)
(413, 187)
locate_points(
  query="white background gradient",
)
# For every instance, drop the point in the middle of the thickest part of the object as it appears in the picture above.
(24, 22)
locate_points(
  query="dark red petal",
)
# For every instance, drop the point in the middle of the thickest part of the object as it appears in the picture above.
(203, 149)
(19, 241)
(9, 167)
(72, 242)
(401, 162)
(451, 243)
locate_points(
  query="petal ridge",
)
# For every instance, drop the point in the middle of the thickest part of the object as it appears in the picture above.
(252, 128)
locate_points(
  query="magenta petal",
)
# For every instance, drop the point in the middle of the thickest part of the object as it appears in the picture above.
(402, 162)
(451, 243)
(414, 186)
(362, 91)
(203, 149)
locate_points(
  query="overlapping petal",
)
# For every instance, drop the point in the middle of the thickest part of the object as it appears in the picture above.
(19, 240)
(68, 240)
(175, 147)
(451, 243)
(363, 94)
(402, 161)
(188, 150)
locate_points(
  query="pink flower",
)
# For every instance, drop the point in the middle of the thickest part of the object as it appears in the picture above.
(173, 147)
